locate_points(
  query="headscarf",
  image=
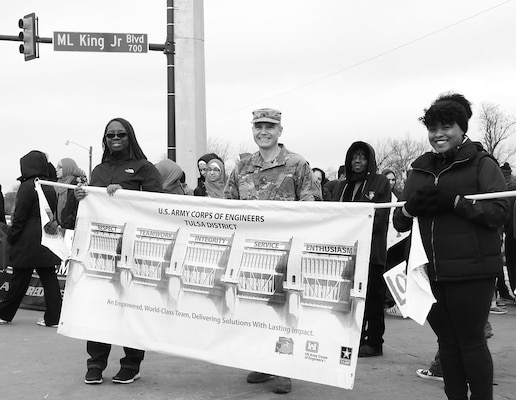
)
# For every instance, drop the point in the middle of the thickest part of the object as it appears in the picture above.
(135, 151)
(171, 174)
(72, 174)
(216, 188)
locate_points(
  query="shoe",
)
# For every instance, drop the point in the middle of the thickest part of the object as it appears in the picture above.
(4, 322)
(504, 301)
(427, 374)
(93, 376)
(488, 330)
(126, 375)
(498, 310)
(258, 377)
(282, 385)
(394, 311)
(41, 322)
(369, 351)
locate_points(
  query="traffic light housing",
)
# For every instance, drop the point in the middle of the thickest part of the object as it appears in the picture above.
(30, 46)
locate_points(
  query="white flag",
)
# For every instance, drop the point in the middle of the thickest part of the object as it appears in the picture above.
(419, 295)
(54, 242)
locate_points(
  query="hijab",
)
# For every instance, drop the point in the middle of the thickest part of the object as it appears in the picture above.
(171, 174)
(72, 174)
(216, 188)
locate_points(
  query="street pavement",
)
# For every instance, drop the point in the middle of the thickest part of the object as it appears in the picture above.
(37, 363)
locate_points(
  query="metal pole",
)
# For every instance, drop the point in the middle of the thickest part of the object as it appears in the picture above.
(171, 103)
(90, 154)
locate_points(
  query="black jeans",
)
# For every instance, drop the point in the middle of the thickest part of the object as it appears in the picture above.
(374, 318)
(458, 319)
(99, 353)
(18, 286)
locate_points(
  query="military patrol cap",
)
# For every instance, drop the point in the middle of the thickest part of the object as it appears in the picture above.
(266, 115)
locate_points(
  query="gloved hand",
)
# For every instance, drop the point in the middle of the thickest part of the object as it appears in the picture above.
(445, 201)
(421, 201)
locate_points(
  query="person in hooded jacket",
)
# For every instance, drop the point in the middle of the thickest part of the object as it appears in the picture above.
(171, 174)
(123, 166)
(364, 184)
(27, 253)
(462, 241)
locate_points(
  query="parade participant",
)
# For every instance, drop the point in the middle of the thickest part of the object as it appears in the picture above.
(363, 184)
(202, 165)
(27, 253)
(123, 166)
(272, 173)
(215, 179)
(462, 242)
(320, 175)
(67, 172)
(171, 174)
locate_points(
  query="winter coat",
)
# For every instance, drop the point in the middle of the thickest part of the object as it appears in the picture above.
(376, 189)
(463, 243)
(24, 234)
(129, 173)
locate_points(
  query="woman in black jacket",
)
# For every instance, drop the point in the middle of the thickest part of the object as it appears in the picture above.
(123, 166)
(462, 242)
(27, 253)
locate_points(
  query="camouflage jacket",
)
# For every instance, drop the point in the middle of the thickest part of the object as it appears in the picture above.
(289, 178)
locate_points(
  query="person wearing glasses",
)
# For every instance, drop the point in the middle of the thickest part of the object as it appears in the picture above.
(364, 184)
(215, 179)
(123, 166)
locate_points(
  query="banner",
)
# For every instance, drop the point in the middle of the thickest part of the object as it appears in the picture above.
(270, 286)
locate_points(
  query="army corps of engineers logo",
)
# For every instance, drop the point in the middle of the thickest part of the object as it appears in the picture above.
(345, 355)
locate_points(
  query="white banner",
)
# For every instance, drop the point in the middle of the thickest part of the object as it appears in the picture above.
(276, 287)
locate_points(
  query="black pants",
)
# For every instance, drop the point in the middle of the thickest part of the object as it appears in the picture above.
(510, 262)
(18, 286)
(373, 327)
(99, 353)
(458, 319)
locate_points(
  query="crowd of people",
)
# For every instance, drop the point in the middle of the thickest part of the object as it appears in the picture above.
(462, 238)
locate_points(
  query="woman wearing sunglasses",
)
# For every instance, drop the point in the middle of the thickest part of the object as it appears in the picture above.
(123, 166)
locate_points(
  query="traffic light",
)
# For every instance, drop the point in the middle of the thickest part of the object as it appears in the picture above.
(30, 46)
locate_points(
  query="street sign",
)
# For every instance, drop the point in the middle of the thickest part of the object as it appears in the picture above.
(101, 42)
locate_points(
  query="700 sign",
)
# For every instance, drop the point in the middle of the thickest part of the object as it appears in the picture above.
(100, 42)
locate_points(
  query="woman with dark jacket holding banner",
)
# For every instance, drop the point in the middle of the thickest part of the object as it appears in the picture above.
(124, 166)
(27, 253)
(462, 241)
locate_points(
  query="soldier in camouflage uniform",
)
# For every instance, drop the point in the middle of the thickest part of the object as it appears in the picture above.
(272, 173)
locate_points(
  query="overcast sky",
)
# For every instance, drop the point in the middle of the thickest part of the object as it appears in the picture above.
(339, 70)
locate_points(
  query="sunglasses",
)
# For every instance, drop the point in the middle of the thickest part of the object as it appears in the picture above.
(120, 135)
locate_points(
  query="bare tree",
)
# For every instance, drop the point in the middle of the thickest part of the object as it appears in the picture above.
(220, 147)
(398, 154)
(496, 128)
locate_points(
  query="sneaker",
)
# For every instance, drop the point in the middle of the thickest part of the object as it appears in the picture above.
(498, 310)
(4, 322)
(258, 377)
(126, 375)
(93, 376)
(41, 322)
(366, 350)
(282, 385)
(427, 374)
(394, 311)
(488, 330)
(503, 301)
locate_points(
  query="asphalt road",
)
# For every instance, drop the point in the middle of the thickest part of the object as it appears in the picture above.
(37, 363)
